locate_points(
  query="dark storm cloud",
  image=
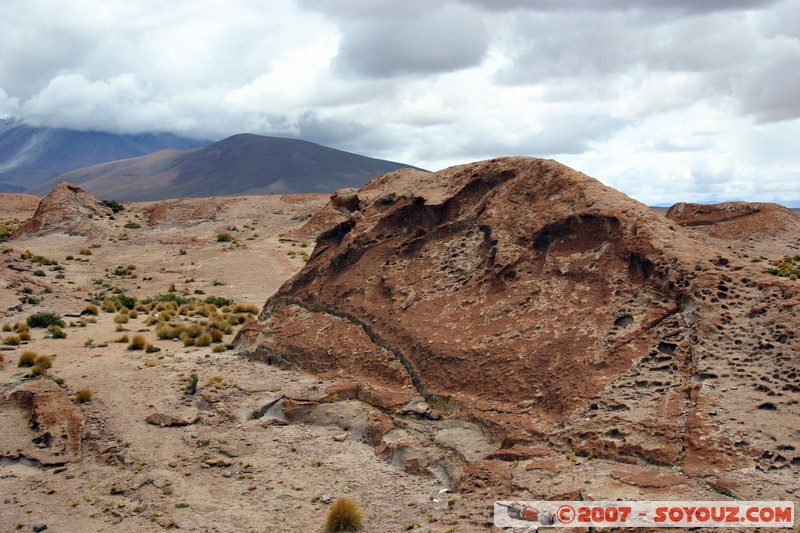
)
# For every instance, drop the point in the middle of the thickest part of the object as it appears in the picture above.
(687, 6)
(768, 101)
(388, 39)
(330, 132)
(33, 55)
(586, 46)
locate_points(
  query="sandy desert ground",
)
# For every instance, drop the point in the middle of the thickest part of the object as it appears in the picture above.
(134, 476)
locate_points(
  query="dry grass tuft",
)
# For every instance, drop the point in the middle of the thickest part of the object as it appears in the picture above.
(27, 359)
(344, 515)
(83, 395)
(137, 343)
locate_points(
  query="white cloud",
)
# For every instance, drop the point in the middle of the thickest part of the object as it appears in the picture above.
(666, 100)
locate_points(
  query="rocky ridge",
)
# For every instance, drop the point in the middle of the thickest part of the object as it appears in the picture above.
(760, 230)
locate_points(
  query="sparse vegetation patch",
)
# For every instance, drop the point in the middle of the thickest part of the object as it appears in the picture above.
(788, 267)
(45, 319)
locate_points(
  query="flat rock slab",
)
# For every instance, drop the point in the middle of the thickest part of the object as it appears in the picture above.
(645, 478)
(351, 416)
(467, 439)
(549, 464)
(160, 419)
(519, 452)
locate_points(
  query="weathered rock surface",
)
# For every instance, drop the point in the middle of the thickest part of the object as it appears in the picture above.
(528, 297)
(40, 424)
(160, 419)
(66, 209)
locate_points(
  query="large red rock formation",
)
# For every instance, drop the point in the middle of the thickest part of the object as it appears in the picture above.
(529, 297)
(66, 209)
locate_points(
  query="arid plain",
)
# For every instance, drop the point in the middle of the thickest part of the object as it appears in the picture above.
(680, 382)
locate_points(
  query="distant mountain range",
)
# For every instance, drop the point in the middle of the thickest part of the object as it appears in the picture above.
(30, 155)
(157, 166)
(239, 165)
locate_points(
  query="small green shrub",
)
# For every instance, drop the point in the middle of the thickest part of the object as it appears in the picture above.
(224, 237)
(121, 271)
(45, 319)
(59, 334)
(115, 206)
(39, 273)
(132, 225)
(191, 387)
(218, 301)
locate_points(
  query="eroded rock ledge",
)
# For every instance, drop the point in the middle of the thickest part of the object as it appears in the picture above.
(43, 425)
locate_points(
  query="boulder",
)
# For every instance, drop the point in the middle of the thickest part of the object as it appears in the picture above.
(160, 419)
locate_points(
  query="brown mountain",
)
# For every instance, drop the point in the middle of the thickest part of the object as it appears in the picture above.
(240, 165)
(564, 318)
(31, 155)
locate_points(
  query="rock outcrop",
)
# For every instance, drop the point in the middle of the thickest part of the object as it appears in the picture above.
(757, 229)
(43, 424)
(737, 217)
(66, 209)
(554, 311)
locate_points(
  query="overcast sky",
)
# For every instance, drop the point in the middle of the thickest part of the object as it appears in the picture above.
(665, 100)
